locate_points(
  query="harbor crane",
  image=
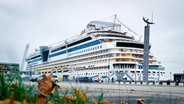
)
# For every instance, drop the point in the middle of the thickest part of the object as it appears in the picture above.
(24, 58)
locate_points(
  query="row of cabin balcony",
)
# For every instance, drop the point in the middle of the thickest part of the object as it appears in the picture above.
(91, 68)
(151, 72)
(129, 55)
(131, 60)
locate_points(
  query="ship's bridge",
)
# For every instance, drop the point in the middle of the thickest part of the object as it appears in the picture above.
(101, 25)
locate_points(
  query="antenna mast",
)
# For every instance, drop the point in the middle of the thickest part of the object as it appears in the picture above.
(152, 17)
(114, 21)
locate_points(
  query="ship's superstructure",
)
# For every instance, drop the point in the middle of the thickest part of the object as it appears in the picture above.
(101, 49)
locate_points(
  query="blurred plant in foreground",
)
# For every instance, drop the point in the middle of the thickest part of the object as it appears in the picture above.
(15, 92)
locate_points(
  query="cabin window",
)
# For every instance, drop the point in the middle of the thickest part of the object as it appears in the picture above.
(132, 71)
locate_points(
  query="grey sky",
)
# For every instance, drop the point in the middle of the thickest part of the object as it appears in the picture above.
(42, 22)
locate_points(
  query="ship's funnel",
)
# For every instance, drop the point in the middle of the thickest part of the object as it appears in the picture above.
(44, 51)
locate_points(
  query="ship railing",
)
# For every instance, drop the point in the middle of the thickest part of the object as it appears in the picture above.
(64, 42)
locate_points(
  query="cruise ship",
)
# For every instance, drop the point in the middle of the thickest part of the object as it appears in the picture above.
(102, 49)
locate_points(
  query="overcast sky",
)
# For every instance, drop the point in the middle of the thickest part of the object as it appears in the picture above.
(43, 22)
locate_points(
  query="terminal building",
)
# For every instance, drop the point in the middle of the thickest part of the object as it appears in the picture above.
(8, 68)
(179, 77)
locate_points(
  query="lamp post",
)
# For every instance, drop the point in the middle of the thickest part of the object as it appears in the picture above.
(108, 65)
(30, 77)
(170, 75)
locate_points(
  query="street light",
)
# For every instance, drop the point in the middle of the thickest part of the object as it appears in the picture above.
(108, 65)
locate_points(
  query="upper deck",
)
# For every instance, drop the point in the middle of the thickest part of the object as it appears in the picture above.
(101, 25)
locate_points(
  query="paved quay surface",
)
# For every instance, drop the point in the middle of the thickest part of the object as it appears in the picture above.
(129, 93)
(115, 93)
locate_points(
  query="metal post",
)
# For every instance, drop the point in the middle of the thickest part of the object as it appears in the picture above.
(30, 77)
(146, 50)
(170, 75)
(135, 72)
(146, 53)
(108, 66)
